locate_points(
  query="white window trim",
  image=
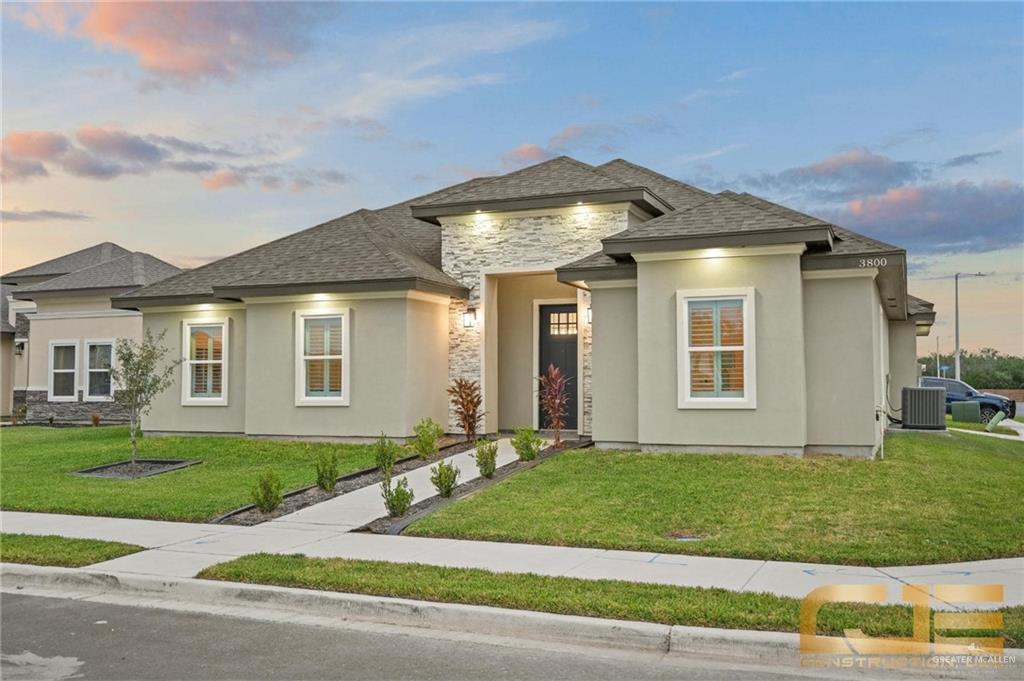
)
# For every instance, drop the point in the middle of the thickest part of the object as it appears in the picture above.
(301, 399)
(186, 365)
(685, 400)
(50, 397)
(112, 342)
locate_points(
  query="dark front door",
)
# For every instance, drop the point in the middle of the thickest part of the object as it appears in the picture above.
(558, 325)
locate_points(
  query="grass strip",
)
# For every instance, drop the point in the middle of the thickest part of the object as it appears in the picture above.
(60, 551)
(689, 606)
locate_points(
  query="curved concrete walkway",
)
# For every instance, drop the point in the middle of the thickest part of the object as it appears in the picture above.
(323, 530)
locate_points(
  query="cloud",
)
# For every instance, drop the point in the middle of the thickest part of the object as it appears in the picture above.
(36, 145)
(589, 101)
(42, 216)
(851, 174)
(940, 218)
(707, 155)
(969, 159)
(121, 145)
(525, 154)
(190, 147)
(923, 135)
(18, 170)
(704, 93)
(83, 164)
(224, 178)
(738, 74)
(600, 136)
(188, 42)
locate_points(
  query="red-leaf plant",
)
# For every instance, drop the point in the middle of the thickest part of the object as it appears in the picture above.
(466, 401)
(554, 399)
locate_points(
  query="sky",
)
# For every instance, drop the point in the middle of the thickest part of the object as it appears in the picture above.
(196, 130)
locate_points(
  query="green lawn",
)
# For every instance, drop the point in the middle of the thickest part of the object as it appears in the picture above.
(932, 499)
(62, 551)
(570, 596)
(968, 425)
(36, 466)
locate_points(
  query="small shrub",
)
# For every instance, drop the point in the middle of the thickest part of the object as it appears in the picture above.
(95, 418)
(444, 476)
(428, 432)
(486, 457)
(526, 443)
(554, 399)
(385, 453)
(326, 471)
(19, 415)
(466, 402)
(267, 494)
(397, 498)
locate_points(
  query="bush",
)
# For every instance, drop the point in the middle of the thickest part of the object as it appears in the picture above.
(267, 494)
(397, 499)
(554, 399)
(466, 403)
(486, 457)
(526, 443)
(19, 415)
(326, 471)
(95, 418)
(444, 476)
(385, 453)
(428, 432)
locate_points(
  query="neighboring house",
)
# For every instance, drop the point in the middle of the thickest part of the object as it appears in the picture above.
(686, 320)
(65, 330)
(6, 353)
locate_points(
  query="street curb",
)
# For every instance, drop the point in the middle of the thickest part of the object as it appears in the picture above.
(259, 601)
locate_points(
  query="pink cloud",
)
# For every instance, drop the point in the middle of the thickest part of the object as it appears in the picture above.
(119, 144)
(188, 41)
(527, 153)
(37, 145)
(223, 178)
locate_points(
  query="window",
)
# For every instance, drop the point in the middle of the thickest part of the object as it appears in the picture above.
(716, 349)
(205, 369)
(99, 357)
(63, 371)
(562, 323)
(321, 371)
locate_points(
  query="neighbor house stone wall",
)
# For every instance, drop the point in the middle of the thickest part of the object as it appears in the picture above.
(80, 411)
(478, 243)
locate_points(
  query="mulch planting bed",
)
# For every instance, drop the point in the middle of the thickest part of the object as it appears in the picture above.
(307, 496)
(424, 508)
(142, 468)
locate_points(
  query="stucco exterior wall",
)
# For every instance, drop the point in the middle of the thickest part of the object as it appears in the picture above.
(903, 368)
(73, 304)
(778, 423)
(615, 368)
(517, 373)
(524, 241)
(841, 324)
(427, 351)
(167, 413)
(42, 331)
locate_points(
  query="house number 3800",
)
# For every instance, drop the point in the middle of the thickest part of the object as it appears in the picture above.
(873, 262)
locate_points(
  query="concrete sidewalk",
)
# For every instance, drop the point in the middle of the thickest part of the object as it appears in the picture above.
(324, 530)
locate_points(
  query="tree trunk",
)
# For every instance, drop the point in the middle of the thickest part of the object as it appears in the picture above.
(131, 433)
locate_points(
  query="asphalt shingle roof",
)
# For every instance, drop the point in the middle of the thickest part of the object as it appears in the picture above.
(679, 194)
(562, 175)
(917, 305)
(128, 271)
(87, 257)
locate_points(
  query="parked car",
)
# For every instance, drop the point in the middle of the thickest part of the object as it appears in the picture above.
(958, 391)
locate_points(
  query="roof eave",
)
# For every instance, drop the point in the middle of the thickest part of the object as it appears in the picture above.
(364, 286)
(71, 292)
(643, 197)
(137, 302)
(623, 270)
(628, 245)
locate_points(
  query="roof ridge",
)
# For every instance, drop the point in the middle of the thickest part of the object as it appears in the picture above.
(653, 173)
(732, 196)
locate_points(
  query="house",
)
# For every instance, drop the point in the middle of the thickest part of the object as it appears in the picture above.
(62, 344)
(686, 320)
(6, 353)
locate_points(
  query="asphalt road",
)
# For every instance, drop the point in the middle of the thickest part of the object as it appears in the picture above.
(51, 638)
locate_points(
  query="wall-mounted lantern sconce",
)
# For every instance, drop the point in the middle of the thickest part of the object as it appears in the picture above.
(590, 314)
(469, 317)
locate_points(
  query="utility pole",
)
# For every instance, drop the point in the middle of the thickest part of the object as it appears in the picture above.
(938, 357)
(956, 312)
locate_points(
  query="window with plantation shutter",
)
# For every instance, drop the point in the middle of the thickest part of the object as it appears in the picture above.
(205, 366)
(716, 348)
(321, 358)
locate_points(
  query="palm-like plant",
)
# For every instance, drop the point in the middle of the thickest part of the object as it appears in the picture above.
(554, 399)
(466, 401)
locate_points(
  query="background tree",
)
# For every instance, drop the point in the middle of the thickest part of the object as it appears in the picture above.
(138, 378)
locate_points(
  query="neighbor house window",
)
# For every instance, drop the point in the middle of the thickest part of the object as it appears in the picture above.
(716, 349)
(322, 360)
(99, 357)
(205, 369)
(63, 371)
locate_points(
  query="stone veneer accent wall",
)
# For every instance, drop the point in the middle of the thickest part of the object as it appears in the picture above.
(40, 410)
(471, 244)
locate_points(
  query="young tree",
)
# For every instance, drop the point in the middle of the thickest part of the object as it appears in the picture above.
(138, 377)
